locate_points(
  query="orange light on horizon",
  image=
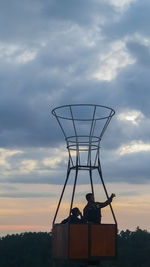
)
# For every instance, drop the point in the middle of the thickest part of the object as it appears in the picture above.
(22, 227)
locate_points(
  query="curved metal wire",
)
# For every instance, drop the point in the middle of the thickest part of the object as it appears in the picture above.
(82, 105)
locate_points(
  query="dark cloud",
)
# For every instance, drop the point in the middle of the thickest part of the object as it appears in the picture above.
(140, 52)
(130, 168)
(34, 20)
(76, 11)
(135, 20)
(49, 52)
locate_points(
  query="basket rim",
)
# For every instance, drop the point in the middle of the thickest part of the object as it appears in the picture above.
(112, 112)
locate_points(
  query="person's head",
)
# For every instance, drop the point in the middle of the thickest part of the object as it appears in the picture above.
(75, 211)
(90, 197)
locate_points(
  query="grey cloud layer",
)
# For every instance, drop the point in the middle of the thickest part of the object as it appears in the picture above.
(134, 20)
(49, 51)
(31, 168)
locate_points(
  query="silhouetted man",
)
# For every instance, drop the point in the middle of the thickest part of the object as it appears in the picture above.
(92, 211)
(73, 218)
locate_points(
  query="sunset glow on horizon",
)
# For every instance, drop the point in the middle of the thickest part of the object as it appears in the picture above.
(57, 53)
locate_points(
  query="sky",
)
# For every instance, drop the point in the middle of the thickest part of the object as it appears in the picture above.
(61, 52)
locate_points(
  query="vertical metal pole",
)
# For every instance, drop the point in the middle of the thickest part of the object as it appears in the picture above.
(97, 153)
(70, 157)
(74, 187)
(90, 136)
(100, 173)
(77, 143)
(68, 172)
(92, 188)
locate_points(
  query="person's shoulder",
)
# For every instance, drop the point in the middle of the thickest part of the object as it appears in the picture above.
(85, 206)
(65, 220)
(98, 204)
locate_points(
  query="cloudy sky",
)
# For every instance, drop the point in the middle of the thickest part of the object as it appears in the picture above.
(58, 52)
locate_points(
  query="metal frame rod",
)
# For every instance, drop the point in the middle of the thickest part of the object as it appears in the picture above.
(70, 157)
(60, 124)
(90, 136)
(100, 173)
(67, 177)
(106, 124)
(74, 187)
(77, 143)
(92, 187)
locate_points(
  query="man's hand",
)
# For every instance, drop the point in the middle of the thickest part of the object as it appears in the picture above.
(113, 195)
(79, 213)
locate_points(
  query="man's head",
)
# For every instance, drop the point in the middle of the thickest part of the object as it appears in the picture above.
(75, 211)
(90, 197)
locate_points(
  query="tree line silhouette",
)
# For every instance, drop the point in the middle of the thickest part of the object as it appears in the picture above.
(34, 250)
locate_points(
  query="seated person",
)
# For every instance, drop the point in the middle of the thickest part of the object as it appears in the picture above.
(73, 218)
(92, 211)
